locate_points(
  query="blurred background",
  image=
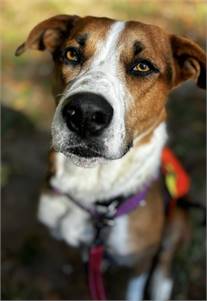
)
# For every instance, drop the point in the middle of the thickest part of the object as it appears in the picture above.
(34, 265)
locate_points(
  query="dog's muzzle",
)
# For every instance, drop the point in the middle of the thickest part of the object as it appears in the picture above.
(86, 116)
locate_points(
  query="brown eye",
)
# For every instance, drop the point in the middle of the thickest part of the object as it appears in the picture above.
(141, 67)
(72, 55)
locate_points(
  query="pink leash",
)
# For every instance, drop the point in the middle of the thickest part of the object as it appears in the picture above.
(96, 253)
(95, 278)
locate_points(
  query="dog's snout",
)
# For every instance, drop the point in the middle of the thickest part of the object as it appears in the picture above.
(87, 114)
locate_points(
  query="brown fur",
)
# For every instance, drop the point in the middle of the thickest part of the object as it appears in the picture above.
(146, 227)
(176, 236)
(94, 30)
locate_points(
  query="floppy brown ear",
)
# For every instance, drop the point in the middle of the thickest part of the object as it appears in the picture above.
(49, 34)
(189, 61)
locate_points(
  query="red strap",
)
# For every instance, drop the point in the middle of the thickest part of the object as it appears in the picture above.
(177, 180)
(173, 170)
(94, 273)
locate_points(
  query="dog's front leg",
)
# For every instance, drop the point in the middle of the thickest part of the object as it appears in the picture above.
(136, 288)
(65, 220)
(75, 227)
(52, 208)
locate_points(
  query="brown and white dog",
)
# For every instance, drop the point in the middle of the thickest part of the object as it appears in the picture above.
(112, 79)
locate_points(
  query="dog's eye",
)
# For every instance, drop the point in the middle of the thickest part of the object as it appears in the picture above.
(143, 68)
(72, 55)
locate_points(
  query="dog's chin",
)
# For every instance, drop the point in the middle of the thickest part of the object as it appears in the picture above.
(86, 162)
(83, 157)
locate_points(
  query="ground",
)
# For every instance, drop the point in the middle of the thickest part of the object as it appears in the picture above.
(34, 265)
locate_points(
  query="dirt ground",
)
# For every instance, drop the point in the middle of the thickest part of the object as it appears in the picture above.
(34, 265)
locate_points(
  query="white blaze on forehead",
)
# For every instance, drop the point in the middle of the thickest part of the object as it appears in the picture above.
(108, 48)
(105, 65)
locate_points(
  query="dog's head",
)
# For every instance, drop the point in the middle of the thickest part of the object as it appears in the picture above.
(111, 81)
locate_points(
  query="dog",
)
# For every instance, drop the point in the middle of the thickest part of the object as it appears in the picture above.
(111, 82)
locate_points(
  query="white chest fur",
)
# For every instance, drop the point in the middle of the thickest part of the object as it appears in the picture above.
(119, 177)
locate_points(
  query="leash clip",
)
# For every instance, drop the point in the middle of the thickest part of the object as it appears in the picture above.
(107, 211)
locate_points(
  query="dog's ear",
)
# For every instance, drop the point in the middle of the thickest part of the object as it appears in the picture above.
(49, 34)
(189, 61)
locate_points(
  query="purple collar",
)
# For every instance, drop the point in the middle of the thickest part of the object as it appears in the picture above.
(131, 203)
(112, 212)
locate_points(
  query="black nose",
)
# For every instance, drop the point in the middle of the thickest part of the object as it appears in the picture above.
(87, 114)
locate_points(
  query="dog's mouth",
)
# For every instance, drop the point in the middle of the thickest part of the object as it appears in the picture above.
(84, 152)
(83, 156)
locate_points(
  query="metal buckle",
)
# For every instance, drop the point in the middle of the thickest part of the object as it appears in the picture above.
(107, 212)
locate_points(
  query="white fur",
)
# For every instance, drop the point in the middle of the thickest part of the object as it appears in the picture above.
(135, 291)
(75, 228)
(118, 241)
(102, 77)
(51, 209)
(64, 219)
(119, 177)
(161, 287)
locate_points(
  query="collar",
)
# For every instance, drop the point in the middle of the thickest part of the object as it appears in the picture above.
(111, 209)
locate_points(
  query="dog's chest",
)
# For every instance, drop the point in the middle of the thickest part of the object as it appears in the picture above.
(88, 186)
